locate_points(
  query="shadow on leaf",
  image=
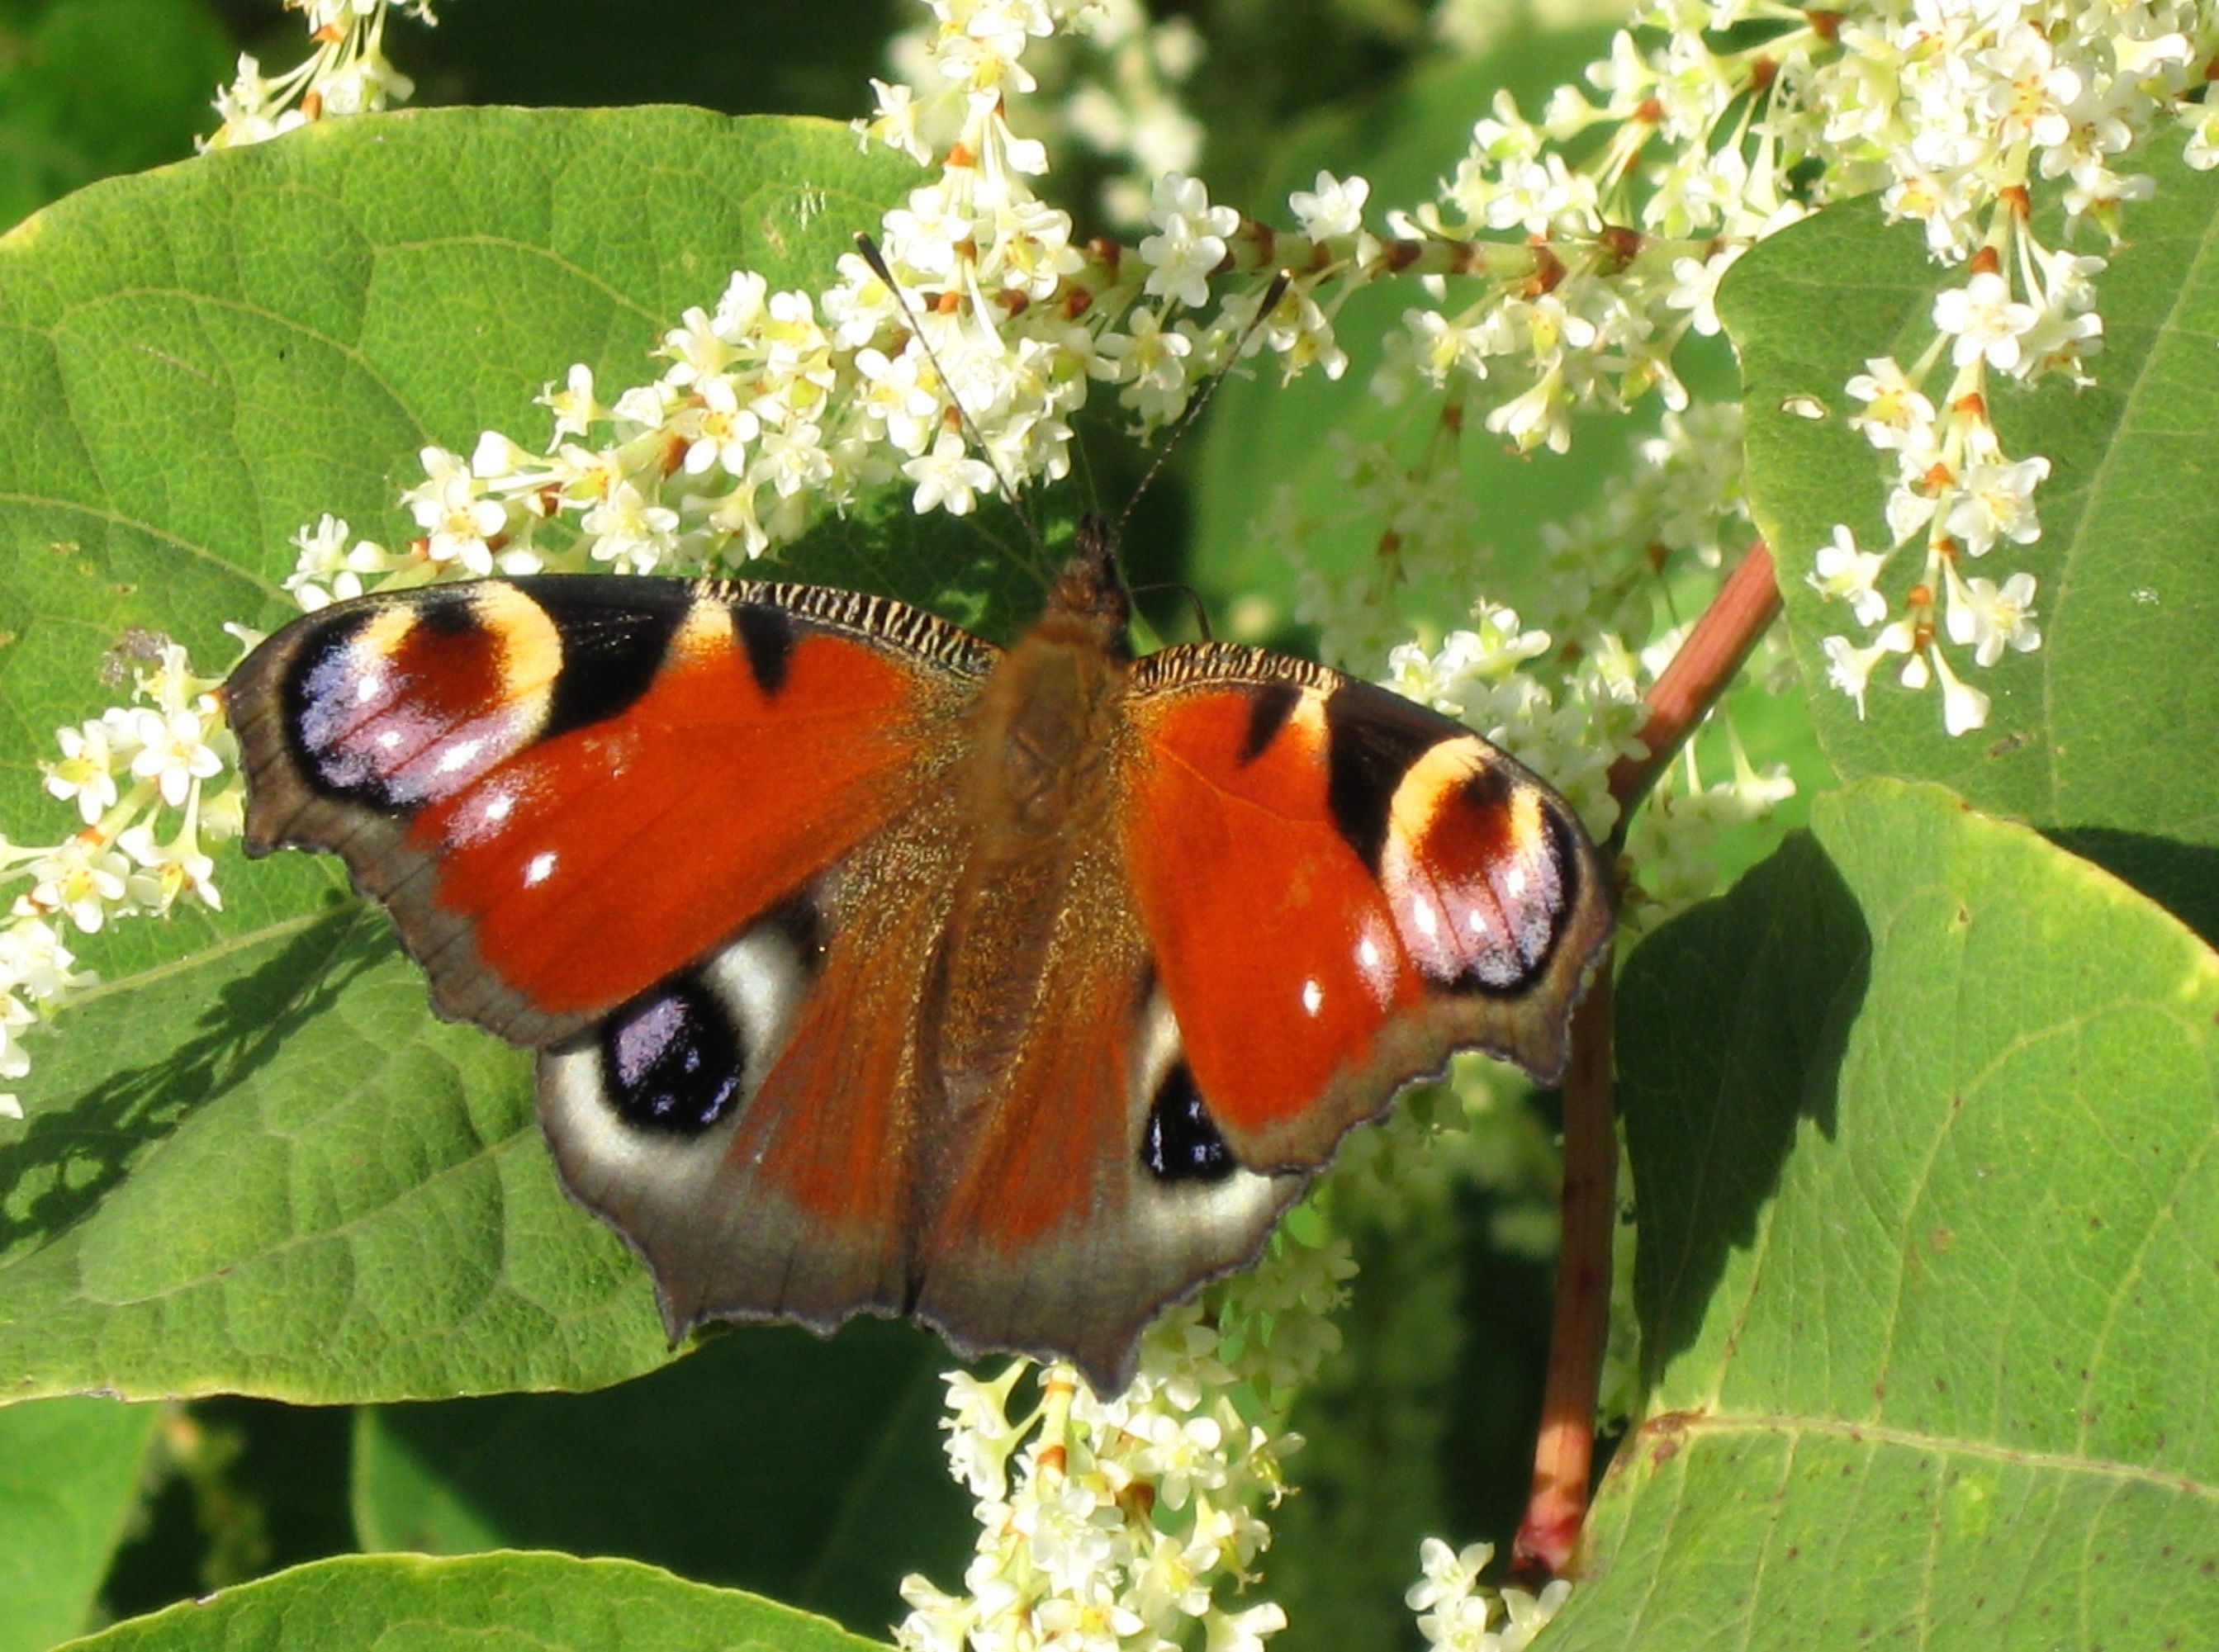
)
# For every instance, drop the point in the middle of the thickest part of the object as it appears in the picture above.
(1732, 1022)
(74, 1153)
(771, 1459)
(2182, 878)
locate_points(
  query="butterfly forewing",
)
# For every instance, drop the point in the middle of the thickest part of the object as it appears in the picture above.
(566, 789)
(1341, 888)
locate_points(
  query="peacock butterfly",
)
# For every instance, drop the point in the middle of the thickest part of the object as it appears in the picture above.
(873, 969)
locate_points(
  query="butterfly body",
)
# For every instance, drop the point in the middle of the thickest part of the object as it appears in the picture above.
(874, 969)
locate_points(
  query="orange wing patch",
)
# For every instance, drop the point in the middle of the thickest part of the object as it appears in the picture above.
(1274, 942)
(599, 861)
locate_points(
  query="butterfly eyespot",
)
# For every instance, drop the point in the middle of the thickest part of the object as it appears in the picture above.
(672, 1060)
(1181, 1143)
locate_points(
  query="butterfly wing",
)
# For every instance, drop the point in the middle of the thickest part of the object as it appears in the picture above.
(685, 839)
(1304, 893)
(754, 1125)
(1080, 1199)
(1339, 888)
(566, 788)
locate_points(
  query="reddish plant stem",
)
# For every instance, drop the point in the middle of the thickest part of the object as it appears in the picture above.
(1708, 661)
(1564, 1457)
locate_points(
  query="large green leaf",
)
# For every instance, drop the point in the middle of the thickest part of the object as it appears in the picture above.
(69, 1480)
(772, 1461)
(1924, 1119)
(497, 1603)
(252, 1161)
(2129, 597)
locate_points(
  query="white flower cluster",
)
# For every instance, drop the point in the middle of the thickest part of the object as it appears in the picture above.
(127, 771)
(777, 406)
(1125, 1522)
(1109, 87)
(1956, 107)
(1456, 1615)
(348, 73)
(1710, 127)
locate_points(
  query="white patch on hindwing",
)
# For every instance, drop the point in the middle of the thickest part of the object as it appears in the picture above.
(1170, 1212)
(757, 981)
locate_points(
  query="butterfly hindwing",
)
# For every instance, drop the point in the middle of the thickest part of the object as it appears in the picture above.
(753, 1124)
(1341, 888)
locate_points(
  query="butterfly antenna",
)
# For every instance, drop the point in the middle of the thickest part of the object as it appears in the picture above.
(872, 256)
(1272, 294)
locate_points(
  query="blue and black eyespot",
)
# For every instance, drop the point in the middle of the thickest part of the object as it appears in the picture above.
(1180, 1142)
(672, 1058)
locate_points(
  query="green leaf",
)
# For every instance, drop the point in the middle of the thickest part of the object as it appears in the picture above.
(497, 1603)
(773, 1461)
(2129, 597)
(1926, 1149)
(69, 1481)
(253, 1161)
(93, 87)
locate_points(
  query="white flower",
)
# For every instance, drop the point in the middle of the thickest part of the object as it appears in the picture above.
(1964, 708)
(173, 752)
(628, 530)
(87, 770)
(1849, 668)
(948, 478)
(1996, 501)
(1447, 1574)
(81, 879)
(167, 870)
(459, 520)
(1695, 289)
(980, 1436)
(1333, 208)
(894, 121)
(792, 459)
(1538, 417)
(2203, 122)
(1243, 1631)
(573, 406)
(893, 395)
(695, 348)
(1990, 619)
(329, 570)
(1190, 243)
(1985, 320)
(1843, 572)
(34, 961)
(722, 429)
(1180, 1455)
(1152, 362)
(1897, 415)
